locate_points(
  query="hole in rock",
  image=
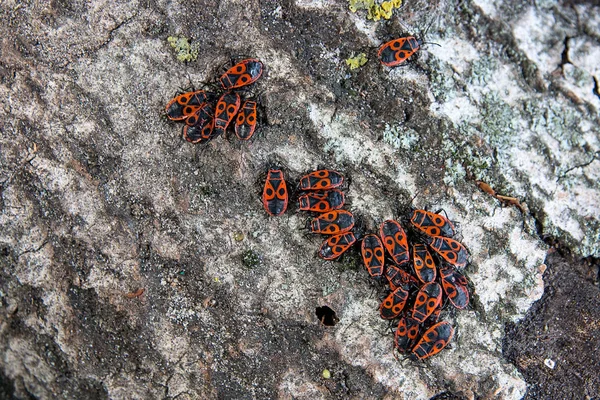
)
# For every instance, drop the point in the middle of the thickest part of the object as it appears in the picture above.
(327, 316)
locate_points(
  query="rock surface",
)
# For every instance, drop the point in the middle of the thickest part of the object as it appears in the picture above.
(100, 197)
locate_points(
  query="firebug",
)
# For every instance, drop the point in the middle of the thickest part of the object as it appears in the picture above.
(322, 201)
(227, 107)
(449, 249)
(373, 254)
(395, 52)
(275, 195)
(393, 304)
(245, 123)
(333, 222)
(398, 278)
(423, 263)
(203, 129)
(395, 241)
(321, 180)
(455, 287)
(433, 340)
(336, 245)
(241, 74)
(432, 224)
(186, 104)
(427, 301)
(406, 333)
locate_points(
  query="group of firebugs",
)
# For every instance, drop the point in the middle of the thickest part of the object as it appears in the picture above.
(205, 120)
(321, 195)
(207, 115)
(417, 288)
(421, 283)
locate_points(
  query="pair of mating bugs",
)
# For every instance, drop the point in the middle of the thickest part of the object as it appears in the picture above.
(418, 284)
(207, 115)
(322, 195)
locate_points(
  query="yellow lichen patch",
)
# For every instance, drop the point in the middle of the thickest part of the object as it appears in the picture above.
(376, 9)
(358, 61)
(186, 52)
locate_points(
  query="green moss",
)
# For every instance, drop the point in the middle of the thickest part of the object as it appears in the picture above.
(376, 9)
(350, 261)
(358, 61)
(251, 259)
(186, 52)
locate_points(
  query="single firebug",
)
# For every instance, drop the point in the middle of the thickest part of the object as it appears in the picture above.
(275, 195)
(333, 222)
(336, 245)
(241, 74)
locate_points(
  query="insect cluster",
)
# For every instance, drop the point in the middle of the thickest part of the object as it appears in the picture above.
(424, 285)
(207, 115)
(323, 196)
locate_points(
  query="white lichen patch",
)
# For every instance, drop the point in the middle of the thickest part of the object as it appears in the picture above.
(584, 70)
(366, 27)
(488, 7)
(400, 138)
(545, 146)
(585, 54)
(315, 4)
(349, 141)
(349, 146)
(458, 108)
(537, 35)
(454, 51)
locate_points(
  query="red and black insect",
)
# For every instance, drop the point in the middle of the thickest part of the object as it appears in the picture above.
(202, 130)
(395, 241)
(427, 301)
(321, 180)
(227, 107)
(455, 287)
(393, 304)
(322, 201)
(245, 123)
(373, 254)
(201, 115)
(449, 249)
(275, 195)
(398, 278)
(242, 74)
(433, 340)
(333, 222)
(185, 105)
(395, 52)
(406, 333)
(432, 224)
(336, 245)
(423, 263)
(435, 315)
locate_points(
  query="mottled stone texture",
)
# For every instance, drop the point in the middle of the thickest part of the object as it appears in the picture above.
(100, 197)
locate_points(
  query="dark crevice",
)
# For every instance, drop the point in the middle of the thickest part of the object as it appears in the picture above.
(564, 57)
(327, 316)
(596, 89)
(585, 164)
